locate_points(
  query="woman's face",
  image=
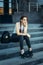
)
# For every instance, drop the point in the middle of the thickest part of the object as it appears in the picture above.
(24, 21)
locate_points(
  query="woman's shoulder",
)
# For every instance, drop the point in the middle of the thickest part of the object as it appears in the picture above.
(17, 23)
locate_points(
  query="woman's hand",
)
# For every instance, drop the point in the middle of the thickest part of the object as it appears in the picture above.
(28, 35)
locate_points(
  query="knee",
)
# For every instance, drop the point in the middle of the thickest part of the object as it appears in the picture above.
(21, 37)
(26, 37)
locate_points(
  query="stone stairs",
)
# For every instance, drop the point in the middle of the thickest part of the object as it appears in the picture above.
(9, 53)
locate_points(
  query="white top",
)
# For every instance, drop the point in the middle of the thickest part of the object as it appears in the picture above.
(22, 27)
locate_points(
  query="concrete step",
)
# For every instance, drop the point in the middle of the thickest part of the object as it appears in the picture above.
(29, 29)
(35, 30)
(6, 25)
(38, 32)
(13, 25)
(37, 62)
(12, 28)
(32, 33)
(17, 60)
(37, 40)
(40, 63)
(14, 50)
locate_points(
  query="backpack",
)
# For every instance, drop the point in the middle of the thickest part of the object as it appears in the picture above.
(5, 38)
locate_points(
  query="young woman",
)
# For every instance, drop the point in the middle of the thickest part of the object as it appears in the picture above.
(21, 31)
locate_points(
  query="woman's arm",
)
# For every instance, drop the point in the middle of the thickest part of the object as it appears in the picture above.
(25, 31)
(17, 30)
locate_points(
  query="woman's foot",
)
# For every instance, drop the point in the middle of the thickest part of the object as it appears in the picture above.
(30, 52)
(22, 53)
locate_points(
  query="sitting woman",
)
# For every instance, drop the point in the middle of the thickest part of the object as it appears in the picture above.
(21, 31)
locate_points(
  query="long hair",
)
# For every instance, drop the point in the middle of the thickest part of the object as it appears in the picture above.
(22, 19)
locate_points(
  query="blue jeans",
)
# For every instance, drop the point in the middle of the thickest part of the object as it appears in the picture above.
(21, 40)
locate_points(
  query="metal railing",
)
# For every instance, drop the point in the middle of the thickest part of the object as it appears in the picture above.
(30, 5)
(36, 5)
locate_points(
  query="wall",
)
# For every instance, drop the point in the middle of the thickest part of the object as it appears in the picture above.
(40, 2)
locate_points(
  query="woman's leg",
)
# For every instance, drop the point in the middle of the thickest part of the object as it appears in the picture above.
(27, 41)
(21, 39)
(29, 45)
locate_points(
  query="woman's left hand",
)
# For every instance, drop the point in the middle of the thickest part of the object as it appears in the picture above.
(28, 35)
